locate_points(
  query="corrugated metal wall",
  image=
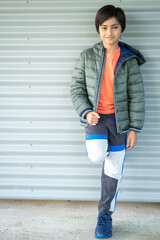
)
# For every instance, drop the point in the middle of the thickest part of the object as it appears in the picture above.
(42, 148)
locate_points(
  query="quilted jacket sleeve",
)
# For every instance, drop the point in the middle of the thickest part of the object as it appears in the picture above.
(136, 103)
(78, 89)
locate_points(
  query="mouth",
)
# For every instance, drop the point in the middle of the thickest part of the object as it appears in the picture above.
(109, 38)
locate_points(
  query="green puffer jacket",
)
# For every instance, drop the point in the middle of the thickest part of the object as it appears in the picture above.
(128, 87)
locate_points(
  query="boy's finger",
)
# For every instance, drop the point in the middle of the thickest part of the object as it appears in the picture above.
(128, 142)
(96, 114)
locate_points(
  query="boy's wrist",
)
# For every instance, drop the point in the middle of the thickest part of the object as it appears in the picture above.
(133, 131)
(85, 112)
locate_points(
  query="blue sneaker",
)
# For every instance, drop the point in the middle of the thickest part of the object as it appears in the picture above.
(104, 226)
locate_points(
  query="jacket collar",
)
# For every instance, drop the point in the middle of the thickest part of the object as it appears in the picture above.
(127, 51)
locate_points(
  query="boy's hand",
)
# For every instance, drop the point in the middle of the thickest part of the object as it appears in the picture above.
(131, 140)
(92, 118)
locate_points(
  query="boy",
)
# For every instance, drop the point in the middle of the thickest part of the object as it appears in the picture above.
(108, 94)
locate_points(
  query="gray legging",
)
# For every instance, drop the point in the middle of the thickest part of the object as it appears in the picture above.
(104, 145)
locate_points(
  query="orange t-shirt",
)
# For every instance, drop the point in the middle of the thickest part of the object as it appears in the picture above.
(106, 99)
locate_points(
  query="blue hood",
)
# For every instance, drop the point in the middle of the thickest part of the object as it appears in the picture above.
(128, 51)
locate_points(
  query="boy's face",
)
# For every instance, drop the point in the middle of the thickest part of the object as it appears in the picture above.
(110, 32)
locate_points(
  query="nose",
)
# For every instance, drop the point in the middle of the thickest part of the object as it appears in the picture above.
(109, 31)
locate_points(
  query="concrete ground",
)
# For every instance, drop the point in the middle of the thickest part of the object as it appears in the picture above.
(73, 220)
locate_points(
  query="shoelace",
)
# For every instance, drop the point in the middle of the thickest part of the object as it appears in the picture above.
(104, 220)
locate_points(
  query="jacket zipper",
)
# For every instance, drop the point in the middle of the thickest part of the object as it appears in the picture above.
(99, 80)
(114, 91)
(115, 104)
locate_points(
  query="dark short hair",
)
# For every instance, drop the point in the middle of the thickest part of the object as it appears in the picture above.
(109, 11)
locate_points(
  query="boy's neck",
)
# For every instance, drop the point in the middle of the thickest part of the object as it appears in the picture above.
(110, 48)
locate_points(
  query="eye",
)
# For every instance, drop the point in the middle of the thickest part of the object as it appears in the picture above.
(115, 27)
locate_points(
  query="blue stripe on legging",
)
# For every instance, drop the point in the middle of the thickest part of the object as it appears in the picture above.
(96, 136)
(117, 148)
(119, 183)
